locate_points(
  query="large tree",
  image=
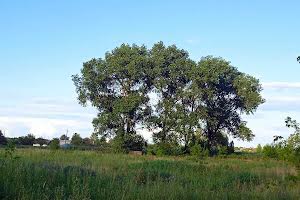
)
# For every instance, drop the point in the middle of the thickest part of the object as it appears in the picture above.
(117, 86)
(225, 94)
(171, 69)
(209, 96)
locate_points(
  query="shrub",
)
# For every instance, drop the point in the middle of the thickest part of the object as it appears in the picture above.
(131, 142)
(162, 149)
(270, 151)
(258, 149)
(222, 150)
(169, 149)
(10, 150)
(54, 144)
(198, 151)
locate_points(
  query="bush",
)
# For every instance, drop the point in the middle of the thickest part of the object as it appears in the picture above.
(258, 149)
(54, 144)
(198, 151)
(169, 149)
(270, 151)
(223, 150)
(164, 149)
(131, 142)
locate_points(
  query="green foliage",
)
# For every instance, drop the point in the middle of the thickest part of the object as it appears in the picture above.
(165, 149)
(54, 144)
(270, 151)
(225, 93)
(198, 151)
(40, 174)
(210, 95)
(259, 149)
(172, 117)
(288, 149)
(76, 139)
(26, 140)
(130, 142)
(222, 150)
(117, 86)
(10, 150)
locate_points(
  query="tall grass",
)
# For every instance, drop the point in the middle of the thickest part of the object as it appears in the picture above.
(44, 174)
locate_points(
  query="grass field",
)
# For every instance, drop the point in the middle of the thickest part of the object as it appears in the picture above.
(45, 174)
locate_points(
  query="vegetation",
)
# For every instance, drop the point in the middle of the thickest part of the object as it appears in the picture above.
(208, 96)
(288, 149)
(76, 139)
(54, 144)
(42, 174)
(191, 107)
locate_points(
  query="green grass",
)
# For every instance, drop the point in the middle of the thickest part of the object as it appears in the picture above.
(45, 174)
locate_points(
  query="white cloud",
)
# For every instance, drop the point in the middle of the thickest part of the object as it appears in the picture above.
(46, 117)
(43, 127)
(281, 85)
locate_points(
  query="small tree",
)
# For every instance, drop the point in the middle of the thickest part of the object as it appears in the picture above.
(258, 149)
(64, 137)
(10, 150)
(132, 142)
(76, 139)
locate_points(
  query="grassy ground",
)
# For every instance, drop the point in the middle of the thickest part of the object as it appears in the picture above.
(43, 174)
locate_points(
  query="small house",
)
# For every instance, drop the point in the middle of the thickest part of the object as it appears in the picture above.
(36, 145)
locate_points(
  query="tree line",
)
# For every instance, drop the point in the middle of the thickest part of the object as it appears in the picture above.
(30, 139)
(183, 102)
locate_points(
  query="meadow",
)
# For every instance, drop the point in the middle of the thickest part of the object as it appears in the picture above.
(46, 174)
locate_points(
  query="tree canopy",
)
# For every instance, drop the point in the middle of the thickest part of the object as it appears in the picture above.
(168, 92)
(76, 139)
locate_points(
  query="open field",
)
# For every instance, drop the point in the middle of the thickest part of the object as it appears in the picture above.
(44, 174)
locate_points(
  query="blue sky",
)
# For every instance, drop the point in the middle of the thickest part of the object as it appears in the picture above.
(42, 43)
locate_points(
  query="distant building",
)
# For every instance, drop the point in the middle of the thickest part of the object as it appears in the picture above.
(36, 145)
(44, 145)
(65, 143)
